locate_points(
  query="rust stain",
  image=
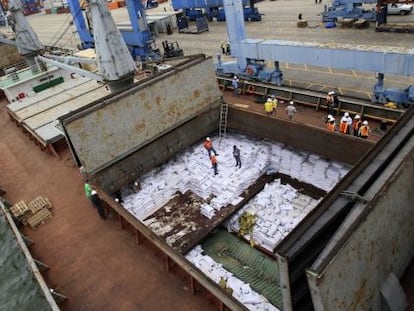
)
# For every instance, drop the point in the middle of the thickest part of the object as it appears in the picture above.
(158, 100)
(172, 109)
(360, 296)
(196, 94)
(140, 126)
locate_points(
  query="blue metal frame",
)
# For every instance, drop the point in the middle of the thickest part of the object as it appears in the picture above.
(79, 21)
(139, 40)
(252, 53)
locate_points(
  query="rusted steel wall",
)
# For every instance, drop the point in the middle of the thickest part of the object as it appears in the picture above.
(158, 152)
(335, 146)
(381, 243)
(126, 122)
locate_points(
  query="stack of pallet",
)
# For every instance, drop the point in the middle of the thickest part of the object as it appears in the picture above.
(34, 213)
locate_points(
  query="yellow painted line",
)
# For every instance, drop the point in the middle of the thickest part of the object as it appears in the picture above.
(330, 70)
(306, 67)
(368, 94)
(354, 73)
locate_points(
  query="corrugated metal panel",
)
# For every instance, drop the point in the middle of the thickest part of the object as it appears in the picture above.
(126, 122)
(246, 263)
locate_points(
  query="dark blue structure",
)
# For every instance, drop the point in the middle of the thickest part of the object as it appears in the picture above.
(211, 9)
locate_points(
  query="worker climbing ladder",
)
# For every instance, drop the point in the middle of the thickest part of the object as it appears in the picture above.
(223, 120)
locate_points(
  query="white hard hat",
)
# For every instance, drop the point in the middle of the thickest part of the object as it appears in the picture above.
(331, 118)
(346, 114)
(365, 122)
(235, 77)
(357, 116)
(331, 93)
(94, 192)
(291, 102)
(208, 138)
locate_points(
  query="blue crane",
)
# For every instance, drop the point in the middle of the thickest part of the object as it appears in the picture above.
(138, 38)
(251, 55)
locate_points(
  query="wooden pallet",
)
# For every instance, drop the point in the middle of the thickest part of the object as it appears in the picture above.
(39, 203)
(20, 209)
(43, 215)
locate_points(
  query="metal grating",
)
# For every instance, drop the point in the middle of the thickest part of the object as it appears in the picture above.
(247, 263)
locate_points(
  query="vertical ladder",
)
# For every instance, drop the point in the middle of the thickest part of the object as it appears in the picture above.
(224, 111)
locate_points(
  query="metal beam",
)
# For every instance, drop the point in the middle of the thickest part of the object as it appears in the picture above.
(79, 71)
(387, 60)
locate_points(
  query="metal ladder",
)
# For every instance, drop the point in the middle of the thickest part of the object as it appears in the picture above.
(224, 111)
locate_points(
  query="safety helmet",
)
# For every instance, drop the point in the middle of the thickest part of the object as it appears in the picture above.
(208, 138)
(330, 116)
(94, 192)
(273, 96)
(331, 93)
(365, 122)
(346, 114)
(235, 77)
(291, 102)
(357, 116)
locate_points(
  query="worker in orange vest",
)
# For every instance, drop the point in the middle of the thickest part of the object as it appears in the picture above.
(364, 130)
(346, 122)
(214, 162)
(208, 145)
(330, 123)
(356, 124)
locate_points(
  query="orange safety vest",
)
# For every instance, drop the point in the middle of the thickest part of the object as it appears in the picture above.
(330, 126)
(208, 145)
(357, 124)
(343, 127)
(364, 131)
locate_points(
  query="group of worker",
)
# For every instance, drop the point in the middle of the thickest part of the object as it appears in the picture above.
(359, 128)
(270, 107)
(212, 154)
